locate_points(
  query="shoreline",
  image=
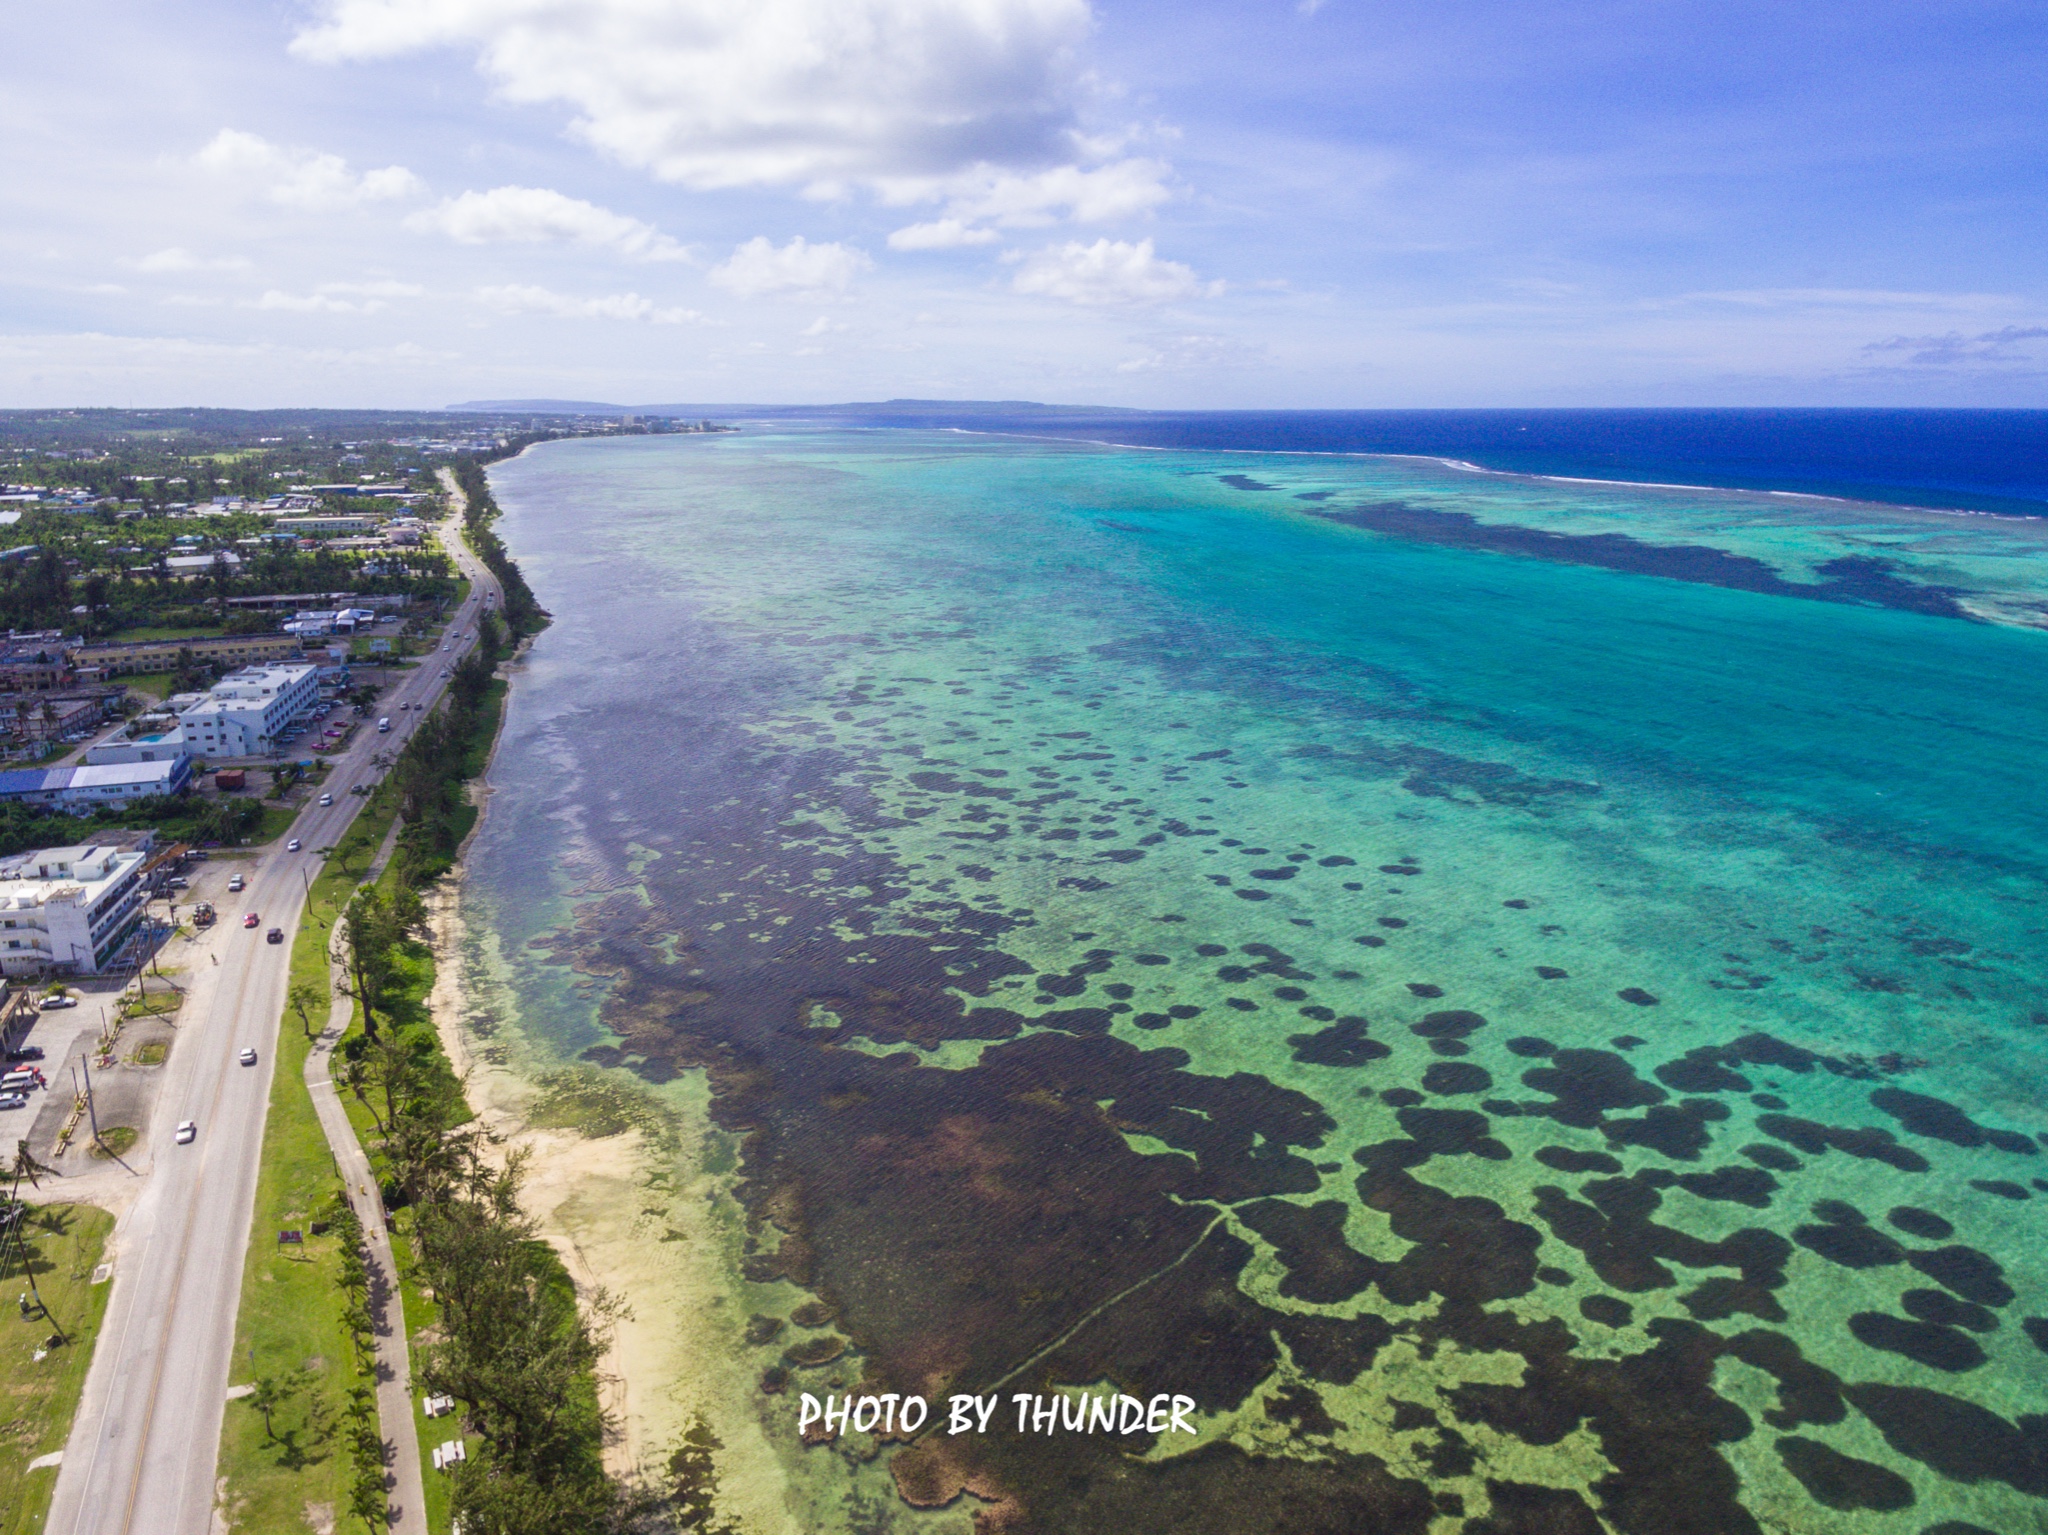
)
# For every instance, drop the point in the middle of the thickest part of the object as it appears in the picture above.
(633, 1212)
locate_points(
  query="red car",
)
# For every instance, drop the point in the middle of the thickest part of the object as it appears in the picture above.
(252, 920)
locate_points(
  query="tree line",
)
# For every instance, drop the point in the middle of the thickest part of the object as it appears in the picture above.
(516, 1346)
(522, 612)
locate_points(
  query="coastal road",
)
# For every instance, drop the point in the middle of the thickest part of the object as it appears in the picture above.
(143, 1449)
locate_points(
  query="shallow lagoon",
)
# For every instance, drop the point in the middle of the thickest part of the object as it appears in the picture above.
(1515, 1038)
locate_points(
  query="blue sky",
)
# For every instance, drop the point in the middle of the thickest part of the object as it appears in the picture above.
(408, 202)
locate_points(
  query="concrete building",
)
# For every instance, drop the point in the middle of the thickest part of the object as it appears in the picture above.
(201, 564)
(118, 660)
(69, 908)
(80, 790)
(162, 746)
(36, 661)
(326, 524)
(246, 713)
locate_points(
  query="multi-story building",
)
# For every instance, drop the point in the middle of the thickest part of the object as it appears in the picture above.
(35, 662)
(117, 660)
(69, 908)
(246, 712)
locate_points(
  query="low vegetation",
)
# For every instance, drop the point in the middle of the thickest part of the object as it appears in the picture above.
(41, 1378)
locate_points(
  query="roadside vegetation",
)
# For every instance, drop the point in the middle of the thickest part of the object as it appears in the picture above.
(60, 1245)
(293, 1455)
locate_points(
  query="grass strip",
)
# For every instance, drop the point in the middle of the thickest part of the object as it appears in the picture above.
(65, 1244)
(291, 1327)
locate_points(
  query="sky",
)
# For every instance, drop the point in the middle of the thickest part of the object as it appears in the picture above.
(1166, 203)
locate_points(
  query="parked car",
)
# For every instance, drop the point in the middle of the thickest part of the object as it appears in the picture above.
(13, 1100)
(237, 883)
(292, 846)
(252, 920)
(61, 1000)
(26, 1053)
(275, 935)
(248, 1057)
(188, 1131)
(178, 882)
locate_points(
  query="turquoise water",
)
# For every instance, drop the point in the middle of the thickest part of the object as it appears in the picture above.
(1527, 1046)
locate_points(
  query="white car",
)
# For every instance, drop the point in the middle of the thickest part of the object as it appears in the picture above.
(188, 1132)
(292, 846)
(326, 799)
(248, 1057)
(13, 1100)
(237, 883)
(52, 1004)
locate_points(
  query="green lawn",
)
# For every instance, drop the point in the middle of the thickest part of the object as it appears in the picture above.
(65, 1243)
(156, 684)
(290, 1323)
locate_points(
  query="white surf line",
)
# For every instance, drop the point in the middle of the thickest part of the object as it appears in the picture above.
(1465, 465)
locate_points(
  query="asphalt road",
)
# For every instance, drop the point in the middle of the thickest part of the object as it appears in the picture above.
(143, 1450)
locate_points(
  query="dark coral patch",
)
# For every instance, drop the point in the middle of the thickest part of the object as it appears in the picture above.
(1453, 1023)
(1973, 1275)
(1868, 1143)
(2036, 1328)
(1700, 1071)
(1854, 1247)
(1636, 996)
(1425, 990)
(1452, 1133)
(1565, 1160)
(1843, 1482)
(1524, 1508)
(1921, 1223)
(1322, 1267)
(1588, 1083)
(1937, 1347)
(1944, 1310)
(1451, 1078)
(2002, 1188)
(1551, 973)
(1931, 1117)
(1777, 1158)
(1342, 1044)
(1736, 1185)
(1607, 1310)
(1529, 1047)
(1958, 1439)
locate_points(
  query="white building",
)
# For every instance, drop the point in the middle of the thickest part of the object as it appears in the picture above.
(326, 524)
(246, 713)
(162, 746)
(69, 908)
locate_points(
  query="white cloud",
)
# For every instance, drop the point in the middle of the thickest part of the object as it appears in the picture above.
(774, 92)
(341, 297)
(938, 235)
(176, 258)
(536, 215)
(1109, 272)
(303, 178)
(822, 327)
(516, 298)
(984, 199)
(758, 269)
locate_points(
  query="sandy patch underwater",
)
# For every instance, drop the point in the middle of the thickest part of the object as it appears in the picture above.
(1529, 1039)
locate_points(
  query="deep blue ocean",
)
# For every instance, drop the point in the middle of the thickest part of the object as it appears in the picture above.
(1980, 460)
